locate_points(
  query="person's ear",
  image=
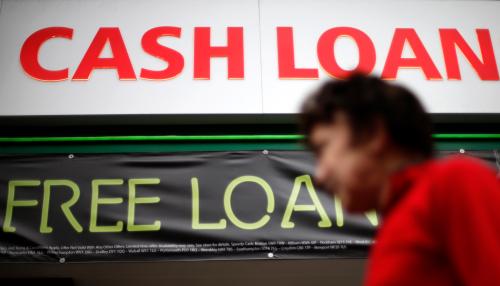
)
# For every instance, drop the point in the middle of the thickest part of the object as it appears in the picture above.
(379, 139)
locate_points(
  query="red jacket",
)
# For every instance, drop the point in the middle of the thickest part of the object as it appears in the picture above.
(441, 226)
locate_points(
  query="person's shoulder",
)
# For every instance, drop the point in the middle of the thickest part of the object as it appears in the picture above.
(461, 172)
(459, 164)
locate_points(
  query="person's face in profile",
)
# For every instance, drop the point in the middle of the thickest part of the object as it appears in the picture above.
(351, 172)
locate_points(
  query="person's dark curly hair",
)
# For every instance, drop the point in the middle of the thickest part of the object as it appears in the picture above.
(363, 99)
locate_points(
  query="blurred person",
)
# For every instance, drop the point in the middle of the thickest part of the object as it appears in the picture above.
(440, 216)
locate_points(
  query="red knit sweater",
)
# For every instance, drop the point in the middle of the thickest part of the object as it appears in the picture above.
(441, 226)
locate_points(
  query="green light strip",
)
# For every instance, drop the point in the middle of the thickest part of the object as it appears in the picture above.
(466, 136)
(152, 138)
(269, 137)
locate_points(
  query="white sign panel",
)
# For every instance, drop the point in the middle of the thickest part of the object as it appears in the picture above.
(69, 57)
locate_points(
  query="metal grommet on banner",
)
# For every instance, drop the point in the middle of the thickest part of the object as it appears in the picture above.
(62, 260)
(270, 255)
(265, 152)
(71, 156)
(462, 151)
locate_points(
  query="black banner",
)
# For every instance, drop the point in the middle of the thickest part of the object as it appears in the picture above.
(201, 205)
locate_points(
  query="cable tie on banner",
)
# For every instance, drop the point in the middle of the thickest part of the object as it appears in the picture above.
(272, 255)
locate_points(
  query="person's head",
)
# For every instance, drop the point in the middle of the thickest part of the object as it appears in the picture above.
(361, 129)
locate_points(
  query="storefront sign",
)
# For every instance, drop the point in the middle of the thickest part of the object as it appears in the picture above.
(252, 56)
(201, 205)
(228, 205)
